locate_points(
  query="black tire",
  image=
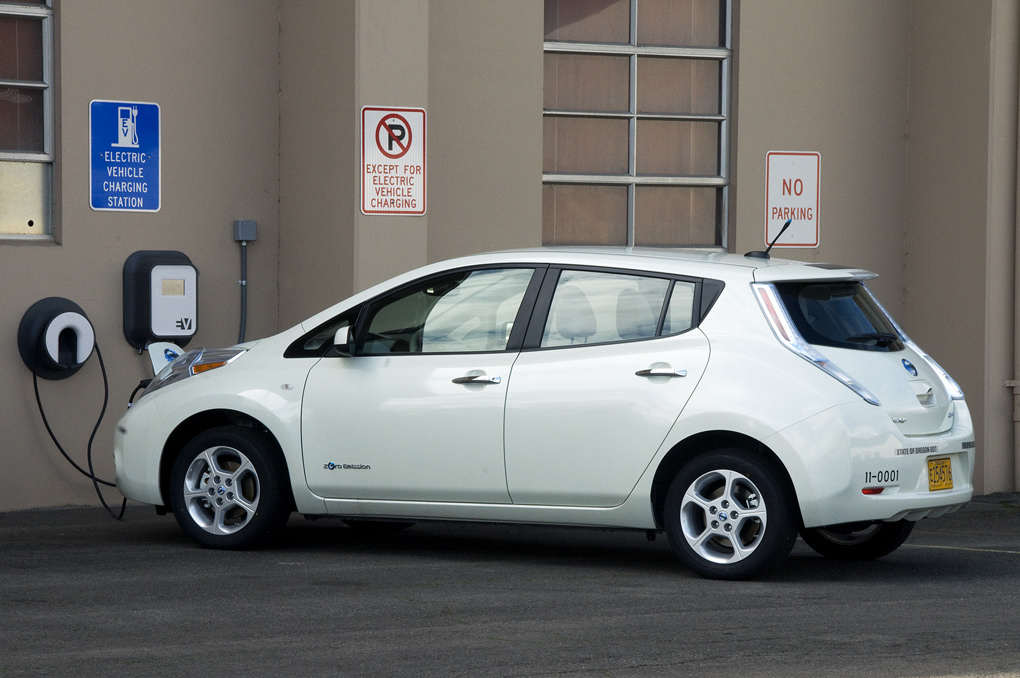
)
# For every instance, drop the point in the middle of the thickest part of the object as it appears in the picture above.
(857, 541)
(729, 515)
(228, 488)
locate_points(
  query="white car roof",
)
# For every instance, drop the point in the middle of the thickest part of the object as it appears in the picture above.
(698, 263)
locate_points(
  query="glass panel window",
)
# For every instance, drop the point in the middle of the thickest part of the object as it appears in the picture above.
(676, 215)
(677, 148)
(590, 145)
(22, 120)
(587, 20)
(21, 48)
(587, 82)
(575, 214)
(465, 312)
(644, 118)
(682, 23)
(26, 113)
(678, 86)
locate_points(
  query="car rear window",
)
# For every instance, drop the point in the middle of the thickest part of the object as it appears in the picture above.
(839, 314)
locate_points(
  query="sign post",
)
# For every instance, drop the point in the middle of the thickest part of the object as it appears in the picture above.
(393, 161)
(792, 191)
(124, 156)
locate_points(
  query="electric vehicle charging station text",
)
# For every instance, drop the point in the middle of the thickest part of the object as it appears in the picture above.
(160, 298)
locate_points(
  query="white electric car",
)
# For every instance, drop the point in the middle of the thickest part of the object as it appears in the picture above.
(730, 401)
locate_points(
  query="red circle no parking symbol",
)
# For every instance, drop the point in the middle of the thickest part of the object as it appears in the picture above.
(393, 136)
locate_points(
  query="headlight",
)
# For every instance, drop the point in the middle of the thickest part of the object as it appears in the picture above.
(192, 363)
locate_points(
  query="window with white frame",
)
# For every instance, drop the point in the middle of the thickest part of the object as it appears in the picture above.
(26, 117)
(636, 122)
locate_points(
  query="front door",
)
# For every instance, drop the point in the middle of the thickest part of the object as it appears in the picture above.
(416, 413)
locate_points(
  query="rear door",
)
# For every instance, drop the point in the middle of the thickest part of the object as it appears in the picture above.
(611, 366)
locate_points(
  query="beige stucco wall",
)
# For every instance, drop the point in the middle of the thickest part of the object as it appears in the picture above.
(317, 147)
(485, 102)
(829, 77)
(219, 116)
(961, 223)
(476, 69)
(911, 104)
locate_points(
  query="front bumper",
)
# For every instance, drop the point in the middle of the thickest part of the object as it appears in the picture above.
(137, 447)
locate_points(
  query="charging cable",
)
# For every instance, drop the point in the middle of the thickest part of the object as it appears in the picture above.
(90, 473)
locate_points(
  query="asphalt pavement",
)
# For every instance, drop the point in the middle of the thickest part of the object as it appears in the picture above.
(83, 594)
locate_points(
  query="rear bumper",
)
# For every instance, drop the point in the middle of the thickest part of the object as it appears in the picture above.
(850, 464)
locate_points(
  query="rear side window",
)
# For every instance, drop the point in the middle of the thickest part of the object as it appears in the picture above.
(839, 314)
(596, 307)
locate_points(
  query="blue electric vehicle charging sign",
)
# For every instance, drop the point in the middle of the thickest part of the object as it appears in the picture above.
(124, 156)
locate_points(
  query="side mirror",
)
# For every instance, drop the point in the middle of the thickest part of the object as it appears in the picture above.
(342, 341)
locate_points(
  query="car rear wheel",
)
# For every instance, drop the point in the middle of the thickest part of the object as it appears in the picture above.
(729, 516)
(227, 488)
(857, 541)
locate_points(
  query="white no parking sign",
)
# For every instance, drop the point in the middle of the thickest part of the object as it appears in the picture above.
(792, 194)
(393, 160)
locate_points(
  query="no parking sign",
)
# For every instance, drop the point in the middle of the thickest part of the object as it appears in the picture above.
(393, 160)
(792, 193)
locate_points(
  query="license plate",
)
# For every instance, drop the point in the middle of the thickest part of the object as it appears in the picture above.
(940, 474)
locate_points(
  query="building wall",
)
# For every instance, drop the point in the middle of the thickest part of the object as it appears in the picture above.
(476, 68)
(913, 107)
(205, 64)
(318, 155)
(961, 199)
(832, 78)
(911, 104)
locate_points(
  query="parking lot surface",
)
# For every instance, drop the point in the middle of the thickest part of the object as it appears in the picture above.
(83, 594)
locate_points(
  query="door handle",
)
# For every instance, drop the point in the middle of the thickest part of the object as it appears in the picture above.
(477, 379)
(661, 372)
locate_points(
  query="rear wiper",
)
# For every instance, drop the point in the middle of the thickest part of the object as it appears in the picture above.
(882, 339)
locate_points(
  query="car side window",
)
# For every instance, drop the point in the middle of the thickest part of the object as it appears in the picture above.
(592, 307)
(463, 312)
(680, 312)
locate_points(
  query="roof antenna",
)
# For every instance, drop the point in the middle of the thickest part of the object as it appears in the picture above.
(765, 254)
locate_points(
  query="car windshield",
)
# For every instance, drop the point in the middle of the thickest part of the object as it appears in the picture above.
(839, 314)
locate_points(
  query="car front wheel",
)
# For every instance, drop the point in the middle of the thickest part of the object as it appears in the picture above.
(857, 541)
(227, 488)
(729, 516)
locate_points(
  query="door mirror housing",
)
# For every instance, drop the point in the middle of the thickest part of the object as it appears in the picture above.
(342, 342)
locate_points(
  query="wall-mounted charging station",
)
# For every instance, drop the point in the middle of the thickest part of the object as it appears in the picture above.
(55, 338)
(160, 298)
